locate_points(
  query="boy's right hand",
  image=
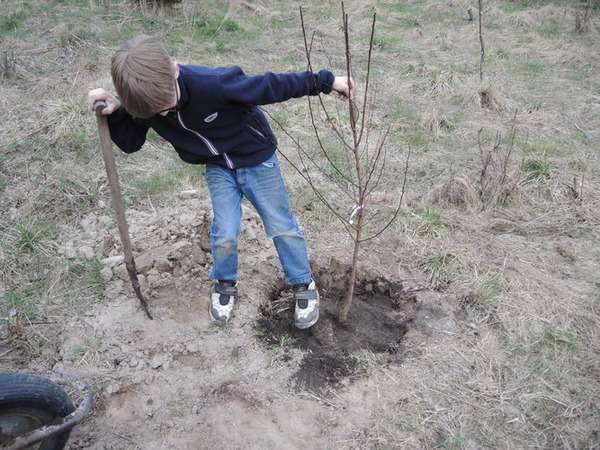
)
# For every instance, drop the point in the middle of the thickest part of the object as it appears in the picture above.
(101, 95)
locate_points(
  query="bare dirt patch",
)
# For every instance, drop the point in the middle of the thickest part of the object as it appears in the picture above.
(167, 382)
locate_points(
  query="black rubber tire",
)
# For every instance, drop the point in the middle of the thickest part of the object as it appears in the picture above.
(28, 402)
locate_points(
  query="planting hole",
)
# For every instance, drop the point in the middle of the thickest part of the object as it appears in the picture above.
(380, 317)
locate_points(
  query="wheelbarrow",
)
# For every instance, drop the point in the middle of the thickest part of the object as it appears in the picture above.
(36, 412)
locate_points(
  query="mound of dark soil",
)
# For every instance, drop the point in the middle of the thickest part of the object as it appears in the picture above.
(380, 317)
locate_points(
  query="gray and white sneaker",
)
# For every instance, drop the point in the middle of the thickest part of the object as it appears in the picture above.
(221, 301)
(306, 313)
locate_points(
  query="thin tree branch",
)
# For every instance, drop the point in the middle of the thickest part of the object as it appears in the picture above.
(398, 207)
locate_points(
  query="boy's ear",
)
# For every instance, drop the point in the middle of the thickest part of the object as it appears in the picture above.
(176, 65)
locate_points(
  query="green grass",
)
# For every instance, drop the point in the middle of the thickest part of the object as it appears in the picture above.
(29, 237)
(27, 20)
(551, 148)
(228, 35)
(387, 43)
(14, 22)
(213, 27)
(484, 294)
(81, 146)
(412, 16)
(280, 118)
(28, 301)
(435, 267)
(533, 67)
(170, 176)
(75, 286)
(558, 338)
(76, 36)
(153, 136)
(500, 53)
(430, 222)
(4, 181)
(285, 341)
(76, 194)
(337, 167)
(155, 184)
(549, 29)
(27, 146)
(416, 139)
(523, 5)
(586, 75)
(536, 168)
(518, 5)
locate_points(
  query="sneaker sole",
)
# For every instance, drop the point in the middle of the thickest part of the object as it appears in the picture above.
(218, 321)
(214, 319)
(304, 326)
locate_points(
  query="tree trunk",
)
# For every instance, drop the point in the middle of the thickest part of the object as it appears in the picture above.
(343, 316)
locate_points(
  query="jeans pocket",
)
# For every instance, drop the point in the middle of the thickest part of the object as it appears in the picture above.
(272, 162)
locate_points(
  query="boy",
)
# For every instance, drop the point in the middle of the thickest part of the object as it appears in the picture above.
(210, 116)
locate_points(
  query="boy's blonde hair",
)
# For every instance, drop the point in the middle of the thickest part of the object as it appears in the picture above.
(144, 76)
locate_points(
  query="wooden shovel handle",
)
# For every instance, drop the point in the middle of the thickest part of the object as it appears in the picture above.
(117, 200)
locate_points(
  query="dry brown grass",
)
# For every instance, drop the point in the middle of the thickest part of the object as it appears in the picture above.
(456, 191)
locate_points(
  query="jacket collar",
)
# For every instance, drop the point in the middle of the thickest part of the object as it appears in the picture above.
(184, 96)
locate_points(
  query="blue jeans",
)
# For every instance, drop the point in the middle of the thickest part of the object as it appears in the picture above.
(263, 186)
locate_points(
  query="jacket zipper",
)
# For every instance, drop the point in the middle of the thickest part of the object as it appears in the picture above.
(256, 131)
(209, 144)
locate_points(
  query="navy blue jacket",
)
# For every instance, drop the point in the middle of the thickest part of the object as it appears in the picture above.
(217, 120)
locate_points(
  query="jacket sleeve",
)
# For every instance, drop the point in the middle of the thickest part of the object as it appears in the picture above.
(127, 132)
(271, 87)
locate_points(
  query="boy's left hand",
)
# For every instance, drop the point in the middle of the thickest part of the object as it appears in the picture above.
(344, 87)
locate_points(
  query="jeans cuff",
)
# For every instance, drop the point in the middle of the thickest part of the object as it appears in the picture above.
(300, 281)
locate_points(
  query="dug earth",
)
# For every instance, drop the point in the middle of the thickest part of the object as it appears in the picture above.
(179, 380)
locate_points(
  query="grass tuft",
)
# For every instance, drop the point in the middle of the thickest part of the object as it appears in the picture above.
(29, 237)
(436, 268)
(456, 191)
(536, 169)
